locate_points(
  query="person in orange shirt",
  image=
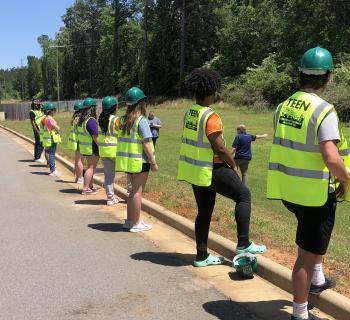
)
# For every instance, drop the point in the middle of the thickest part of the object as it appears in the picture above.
(203, 84)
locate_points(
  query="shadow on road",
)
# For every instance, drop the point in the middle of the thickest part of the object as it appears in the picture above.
(69, 191)
(37, 165)
(40, 173)
(235, 276)
(107, 227)
(224, 309)
(64, 181)
(165, 258)
(93, 202)
(25, 160)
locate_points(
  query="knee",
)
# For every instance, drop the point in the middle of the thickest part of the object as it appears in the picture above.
(245, 195)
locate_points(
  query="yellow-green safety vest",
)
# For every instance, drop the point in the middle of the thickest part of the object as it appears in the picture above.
(297, 172)
(107, 143)
(72, 143)
(130, 148)
(84, 139)
(196, 153)
(39, 115)
(49, 137)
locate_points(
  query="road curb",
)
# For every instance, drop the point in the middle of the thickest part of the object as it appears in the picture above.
(329, 301)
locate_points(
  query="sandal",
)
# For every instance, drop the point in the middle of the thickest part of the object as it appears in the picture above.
(253, 248)
(209, 261)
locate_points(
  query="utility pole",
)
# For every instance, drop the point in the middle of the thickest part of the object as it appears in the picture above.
(183, 47)
(22, 91)
(57, 74)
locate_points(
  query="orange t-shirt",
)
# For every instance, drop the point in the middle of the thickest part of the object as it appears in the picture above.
(214, 124)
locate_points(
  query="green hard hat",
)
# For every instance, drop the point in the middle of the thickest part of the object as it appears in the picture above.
(109, 102)
(134, 95)
(44, 105)
(245, 264)
(49, 106)
(89, 102)
(78, 105)
(316, 61)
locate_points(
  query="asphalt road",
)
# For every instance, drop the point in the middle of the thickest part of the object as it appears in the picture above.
(60, 260)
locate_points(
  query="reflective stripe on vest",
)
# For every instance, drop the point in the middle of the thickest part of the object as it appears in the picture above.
(129, 148)
(196, 154)
(297, 172)
(84, 139)
(39, 115)
(107, 142)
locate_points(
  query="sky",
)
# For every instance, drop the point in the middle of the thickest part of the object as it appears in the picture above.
(22, 22)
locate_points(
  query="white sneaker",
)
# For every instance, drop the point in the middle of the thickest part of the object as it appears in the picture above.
(56, 173)
(111, 200)
(127, 224)
(80, 180)
(39, 160)
(141, 226)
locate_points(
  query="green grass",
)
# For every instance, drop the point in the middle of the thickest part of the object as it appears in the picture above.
(270, 220)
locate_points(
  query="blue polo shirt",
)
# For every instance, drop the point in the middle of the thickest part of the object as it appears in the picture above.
(242, 144)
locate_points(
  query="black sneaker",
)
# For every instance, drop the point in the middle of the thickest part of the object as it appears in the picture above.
(329, 283)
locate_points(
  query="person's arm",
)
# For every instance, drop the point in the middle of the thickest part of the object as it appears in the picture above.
(235, 144)
(336, 166)
(149, 153)
(220, 149)
(32, 122)
(260, 136)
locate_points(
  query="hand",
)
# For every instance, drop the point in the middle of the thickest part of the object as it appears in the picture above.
(154, 167)
(341, 189)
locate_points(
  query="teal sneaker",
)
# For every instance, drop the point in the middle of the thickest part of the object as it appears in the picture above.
(253, 248)
(210, 261)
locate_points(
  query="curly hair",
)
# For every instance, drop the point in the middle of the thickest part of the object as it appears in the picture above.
(202, 82)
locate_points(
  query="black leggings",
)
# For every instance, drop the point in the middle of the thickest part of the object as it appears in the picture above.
(226, 182)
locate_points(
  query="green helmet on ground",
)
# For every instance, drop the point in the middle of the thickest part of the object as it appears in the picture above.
(316, 61)
(134, 95)
(78, 105)
(109, 102)
(89, 102)
(245, 264)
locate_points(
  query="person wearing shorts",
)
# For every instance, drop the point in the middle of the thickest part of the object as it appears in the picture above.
(307, 172)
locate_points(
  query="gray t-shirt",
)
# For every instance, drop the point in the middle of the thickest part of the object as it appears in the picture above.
(328, 129)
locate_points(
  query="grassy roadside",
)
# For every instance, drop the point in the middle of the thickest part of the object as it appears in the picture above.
(271, 223)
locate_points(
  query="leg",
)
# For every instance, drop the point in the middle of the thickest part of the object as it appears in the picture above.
(109, 172)
(154, 141)
(205, 199)
(79, 167)
(89, 173)
(52, 152)
(227, 183)
(138, 182)
(38, 149)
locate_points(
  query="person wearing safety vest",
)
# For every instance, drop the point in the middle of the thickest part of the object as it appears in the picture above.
(135, 155)
(107, 144)
(308, 172)
(36, 115)
(51, 136)
(72, 143)
(87, 145)
(206, 163)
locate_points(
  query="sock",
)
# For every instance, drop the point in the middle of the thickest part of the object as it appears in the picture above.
(300, 310)
(243, 242)
(202, 253)
(318, 276)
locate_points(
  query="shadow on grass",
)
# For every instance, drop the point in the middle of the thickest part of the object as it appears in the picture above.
(70, 191)
(107, 227)
(94, 202)
(40, 173)
(165, 258)
(228, 310)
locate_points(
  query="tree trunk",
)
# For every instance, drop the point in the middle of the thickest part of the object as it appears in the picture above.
(183, 48)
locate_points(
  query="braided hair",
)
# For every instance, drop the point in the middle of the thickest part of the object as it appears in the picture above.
(84, 114)
(203, 82)
(104, 118)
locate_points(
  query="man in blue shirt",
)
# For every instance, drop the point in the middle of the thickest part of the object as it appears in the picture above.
(155, 125)
(242, 149)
